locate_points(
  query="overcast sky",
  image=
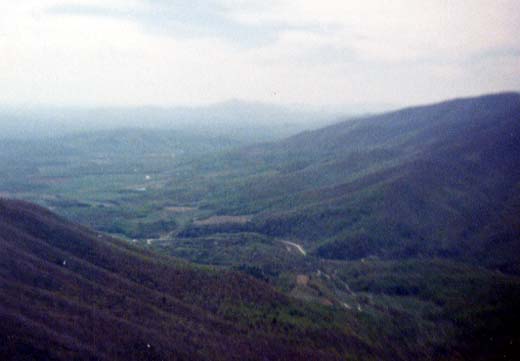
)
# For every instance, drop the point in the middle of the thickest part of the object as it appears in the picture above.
(328, 52)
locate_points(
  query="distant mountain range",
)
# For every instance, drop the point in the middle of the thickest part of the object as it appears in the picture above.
(233, 119)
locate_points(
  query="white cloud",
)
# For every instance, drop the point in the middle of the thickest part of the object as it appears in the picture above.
(328, 52)
(402, 29)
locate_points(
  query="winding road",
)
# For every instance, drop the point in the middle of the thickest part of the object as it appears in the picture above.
(297, 246)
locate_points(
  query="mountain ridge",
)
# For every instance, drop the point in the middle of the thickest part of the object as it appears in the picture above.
(433, 175)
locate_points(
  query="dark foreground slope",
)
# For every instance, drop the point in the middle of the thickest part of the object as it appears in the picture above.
(440, 180)
(68, 293)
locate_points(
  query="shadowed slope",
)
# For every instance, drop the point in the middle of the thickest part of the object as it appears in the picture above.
(68, 293)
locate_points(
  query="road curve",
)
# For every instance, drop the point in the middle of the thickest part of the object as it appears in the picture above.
(297, 246)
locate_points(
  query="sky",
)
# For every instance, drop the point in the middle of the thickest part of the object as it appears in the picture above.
(307, 52)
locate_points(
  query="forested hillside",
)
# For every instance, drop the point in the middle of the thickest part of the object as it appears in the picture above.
(432, 181)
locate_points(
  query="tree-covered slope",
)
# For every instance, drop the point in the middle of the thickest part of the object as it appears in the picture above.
(437, 180)
(69, 293)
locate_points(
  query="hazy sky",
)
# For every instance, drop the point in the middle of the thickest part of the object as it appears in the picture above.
(168, 52)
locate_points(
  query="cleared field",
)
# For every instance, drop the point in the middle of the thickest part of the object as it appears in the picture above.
(180, 209)
(223, 220)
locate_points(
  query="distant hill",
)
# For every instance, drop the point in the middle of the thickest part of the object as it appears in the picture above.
(69, 293)
(239, 120)
(440, 180)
